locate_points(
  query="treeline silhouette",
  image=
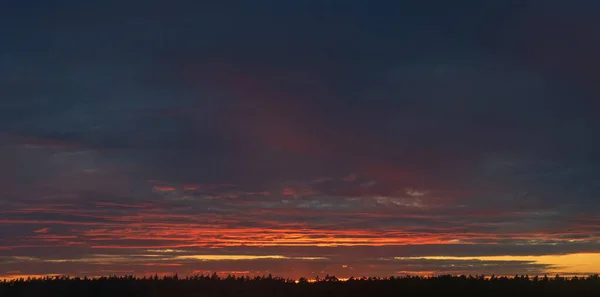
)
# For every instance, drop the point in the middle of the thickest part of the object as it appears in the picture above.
(330, 286)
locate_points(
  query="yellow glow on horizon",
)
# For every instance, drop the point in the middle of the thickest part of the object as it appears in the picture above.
(165, 251)
(578, 263)
(242, 257)
(11, 277)
(227, 257)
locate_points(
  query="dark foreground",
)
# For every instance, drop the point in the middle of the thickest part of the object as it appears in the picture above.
(329, 286)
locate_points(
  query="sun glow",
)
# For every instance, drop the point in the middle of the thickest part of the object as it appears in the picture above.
(568, 264)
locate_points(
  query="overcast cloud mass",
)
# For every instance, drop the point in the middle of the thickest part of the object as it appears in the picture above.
(299, 138)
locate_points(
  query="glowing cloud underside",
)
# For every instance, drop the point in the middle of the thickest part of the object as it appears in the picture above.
(569, 264)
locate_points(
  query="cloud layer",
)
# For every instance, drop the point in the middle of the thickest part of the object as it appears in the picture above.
(298, 138)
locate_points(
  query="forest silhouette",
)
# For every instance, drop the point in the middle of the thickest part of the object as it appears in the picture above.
(213, 285)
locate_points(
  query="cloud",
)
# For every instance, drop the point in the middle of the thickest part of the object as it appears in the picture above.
(164, 189)
(303, 138)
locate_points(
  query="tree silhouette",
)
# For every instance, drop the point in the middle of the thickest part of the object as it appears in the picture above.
(213, 285)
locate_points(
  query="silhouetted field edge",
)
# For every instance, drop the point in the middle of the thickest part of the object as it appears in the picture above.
(318, 279)
(214, 285)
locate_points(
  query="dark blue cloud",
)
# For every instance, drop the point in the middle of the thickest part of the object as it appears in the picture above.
(469, 123)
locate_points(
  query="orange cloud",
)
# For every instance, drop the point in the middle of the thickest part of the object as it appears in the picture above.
(191, 187)
(164, 188)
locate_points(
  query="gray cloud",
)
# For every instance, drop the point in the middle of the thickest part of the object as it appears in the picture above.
(447, 131)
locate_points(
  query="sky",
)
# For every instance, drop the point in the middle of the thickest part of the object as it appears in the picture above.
(299, 138)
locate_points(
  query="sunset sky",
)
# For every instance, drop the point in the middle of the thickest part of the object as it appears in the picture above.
(299, 138)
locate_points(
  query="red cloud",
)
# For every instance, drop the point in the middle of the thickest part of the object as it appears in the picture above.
(191, 187)
(269, 114)
(164, 188)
